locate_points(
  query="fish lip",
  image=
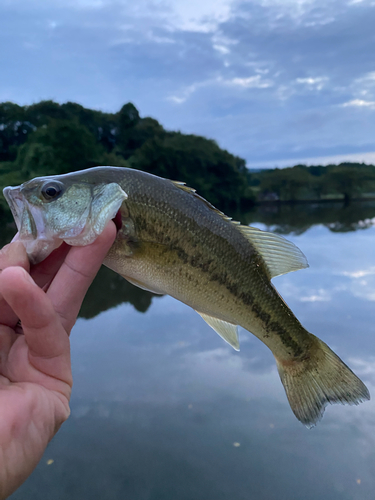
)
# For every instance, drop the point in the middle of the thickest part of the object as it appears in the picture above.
(21, 211)
(16, 203)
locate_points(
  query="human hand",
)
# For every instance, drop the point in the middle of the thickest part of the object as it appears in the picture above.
(35, 371)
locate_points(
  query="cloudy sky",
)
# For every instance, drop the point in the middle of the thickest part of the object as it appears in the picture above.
(273, 81)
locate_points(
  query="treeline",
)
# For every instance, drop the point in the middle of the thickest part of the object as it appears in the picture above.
(48, 138)
(298, 183)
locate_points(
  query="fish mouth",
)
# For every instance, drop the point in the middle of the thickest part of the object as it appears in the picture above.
(30, 225)
(16, 203)
(29, 220)
(118, 220)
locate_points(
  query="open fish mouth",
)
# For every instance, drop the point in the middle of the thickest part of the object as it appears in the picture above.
(29, 219)
(31, 226)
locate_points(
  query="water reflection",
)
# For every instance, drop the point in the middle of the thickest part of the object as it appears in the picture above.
(163, 409)
(108, 290)
(298, 218)
(159, 404)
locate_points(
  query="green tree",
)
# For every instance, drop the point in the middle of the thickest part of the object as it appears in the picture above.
(348, 180)
(287, 183)
(61, 146)
(14, 130)
(50, 138)
(214, 173)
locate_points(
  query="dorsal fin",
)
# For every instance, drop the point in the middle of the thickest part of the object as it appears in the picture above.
(280, 255)
(192, 191)
(184, 187)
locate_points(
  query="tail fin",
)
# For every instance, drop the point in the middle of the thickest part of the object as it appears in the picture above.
(318, 380)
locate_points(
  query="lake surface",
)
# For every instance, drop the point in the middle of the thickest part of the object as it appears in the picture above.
(164, 409)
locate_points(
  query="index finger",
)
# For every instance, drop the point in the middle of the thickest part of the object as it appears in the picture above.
(13, 254)
(45, 336)
(76, 274)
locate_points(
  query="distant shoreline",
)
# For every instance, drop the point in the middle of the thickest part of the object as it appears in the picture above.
(313, 201)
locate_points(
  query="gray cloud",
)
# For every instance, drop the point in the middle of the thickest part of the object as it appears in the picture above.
(271, 80)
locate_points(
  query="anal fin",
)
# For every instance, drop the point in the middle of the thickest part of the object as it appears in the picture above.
(226, 330)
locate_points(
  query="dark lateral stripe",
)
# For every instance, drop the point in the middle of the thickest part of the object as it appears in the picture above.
(199, 261)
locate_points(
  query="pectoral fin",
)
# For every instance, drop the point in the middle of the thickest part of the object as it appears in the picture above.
(227, 331)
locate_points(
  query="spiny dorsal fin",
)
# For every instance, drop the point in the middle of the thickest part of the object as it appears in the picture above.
(184, 187)
(187, 189)
(280, 255)
(227, 331)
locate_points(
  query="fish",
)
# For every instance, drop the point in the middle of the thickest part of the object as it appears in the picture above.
(172, 241)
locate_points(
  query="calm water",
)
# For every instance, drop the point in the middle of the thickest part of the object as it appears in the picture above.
(163, 409)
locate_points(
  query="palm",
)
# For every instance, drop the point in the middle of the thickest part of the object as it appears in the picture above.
(42, 399)
(31, 414)
(35, 372)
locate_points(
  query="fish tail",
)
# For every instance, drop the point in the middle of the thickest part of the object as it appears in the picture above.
(319, 379)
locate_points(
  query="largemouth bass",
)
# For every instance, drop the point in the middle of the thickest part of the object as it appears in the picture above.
(172, 241)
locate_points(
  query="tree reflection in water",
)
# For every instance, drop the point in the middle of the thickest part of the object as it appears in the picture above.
(299, 217)
(109, 289)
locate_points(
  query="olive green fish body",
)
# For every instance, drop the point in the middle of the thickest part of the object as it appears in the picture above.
(172, 241)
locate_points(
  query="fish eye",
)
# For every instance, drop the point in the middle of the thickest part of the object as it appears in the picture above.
(52, 190)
